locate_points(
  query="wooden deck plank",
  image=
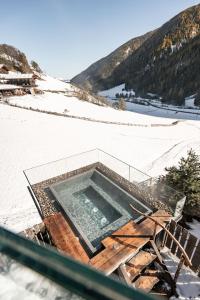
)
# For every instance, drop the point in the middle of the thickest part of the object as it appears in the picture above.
(123, 249)
(138, 263)
(146, 283)
(64, 238)
(124, 230)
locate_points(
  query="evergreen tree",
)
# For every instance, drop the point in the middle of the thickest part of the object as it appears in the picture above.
(35, 66)
(186, 178)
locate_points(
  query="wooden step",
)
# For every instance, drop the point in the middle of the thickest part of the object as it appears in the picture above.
(138, 263)
(145, 283)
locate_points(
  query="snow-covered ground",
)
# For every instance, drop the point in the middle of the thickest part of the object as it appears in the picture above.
(188, 283)
(120, 89)
(189, 101)
(72, 106)
(164, 110)
(30, 138)
(195, 228)
(49, 83)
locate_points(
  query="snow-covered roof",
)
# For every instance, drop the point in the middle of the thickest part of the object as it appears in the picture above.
(16, 76)
(9, 87)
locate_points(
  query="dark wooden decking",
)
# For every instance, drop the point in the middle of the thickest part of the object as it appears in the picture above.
(119, 248)
(64, 238)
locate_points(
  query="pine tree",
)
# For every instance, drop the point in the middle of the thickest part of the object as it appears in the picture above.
(35, 66)
(186, 179)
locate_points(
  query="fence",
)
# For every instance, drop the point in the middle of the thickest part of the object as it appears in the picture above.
(152, 191)
(188, 241)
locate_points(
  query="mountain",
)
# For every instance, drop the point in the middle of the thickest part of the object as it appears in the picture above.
(165, 61)
(95, 77)
(14, 59)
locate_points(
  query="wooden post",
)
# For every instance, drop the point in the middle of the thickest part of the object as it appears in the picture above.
(154, 233)
(181, 262)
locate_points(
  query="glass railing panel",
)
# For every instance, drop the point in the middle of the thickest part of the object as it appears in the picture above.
(61, 166)
(137, 176)
(151, 189)
(114, 164)
(81, 160)
(156, 191)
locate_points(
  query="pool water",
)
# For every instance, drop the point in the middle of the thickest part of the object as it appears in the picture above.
(95, 205)
(99, 211)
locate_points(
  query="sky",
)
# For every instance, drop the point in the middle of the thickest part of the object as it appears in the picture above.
(66, 36)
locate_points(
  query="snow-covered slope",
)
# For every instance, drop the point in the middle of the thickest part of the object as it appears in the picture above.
(31, 138)
(120, 89)
(49, 83)
(72, 106)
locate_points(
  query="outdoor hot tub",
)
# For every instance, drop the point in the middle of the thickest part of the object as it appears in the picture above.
(95, 205)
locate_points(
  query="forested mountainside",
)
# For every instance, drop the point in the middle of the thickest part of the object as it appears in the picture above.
(165, 62)
(95, 77)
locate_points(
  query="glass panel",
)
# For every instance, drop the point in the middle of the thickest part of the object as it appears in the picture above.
(151, 190)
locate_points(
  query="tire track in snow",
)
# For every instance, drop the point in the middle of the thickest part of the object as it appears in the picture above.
(173, 154)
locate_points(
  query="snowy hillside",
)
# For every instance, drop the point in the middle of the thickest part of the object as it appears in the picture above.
(120, 89)
(32, 138)
(72, 106)
(49, 83)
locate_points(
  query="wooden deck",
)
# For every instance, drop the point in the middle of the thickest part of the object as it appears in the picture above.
(64, 238)
(120, 249)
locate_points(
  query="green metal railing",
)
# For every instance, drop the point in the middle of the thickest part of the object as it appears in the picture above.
(62, 270)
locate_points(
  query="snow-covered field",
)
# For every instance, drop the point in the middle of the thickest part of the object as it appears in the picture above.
(165, 110)
(120, 89)
(30, 138)
(72, 106)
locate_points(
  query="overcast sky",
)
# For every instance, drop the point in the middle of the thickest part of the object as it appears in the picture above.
(66, 36)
